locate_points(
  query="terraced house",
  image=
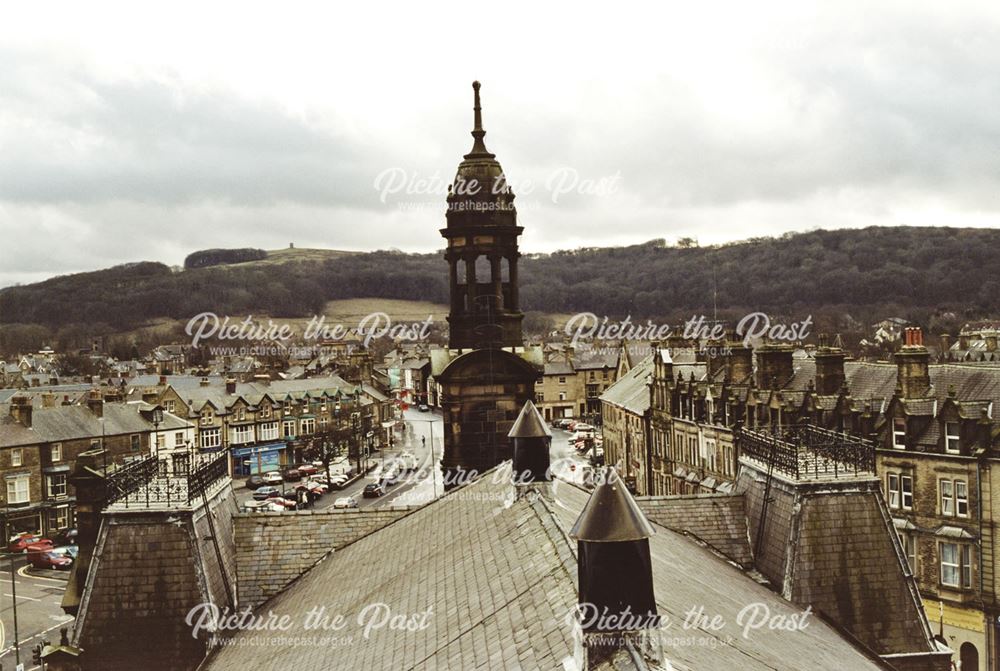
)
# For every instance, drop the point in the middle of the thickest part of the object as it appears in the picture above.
(935, 429)
(265, 425)
(39, 445)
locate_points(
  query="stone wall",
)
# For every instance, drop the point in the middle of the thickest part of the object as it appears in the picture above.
(273, 549)
(718, 520)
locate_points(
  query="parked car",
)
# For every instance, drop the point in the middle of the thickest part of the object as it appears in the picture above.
(255, 481)
(21, 542)
(46, 557)
(346, 502)
(290, 495)
(407, 461)
(265, 493)
(321, 487)
(64, 537)
(256, 506)
(272, 478)
(373, 490)
(291, 475)
(308, 469)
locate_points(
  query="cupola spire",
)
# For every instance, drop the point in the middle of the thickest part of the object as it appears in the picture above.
(478, 146)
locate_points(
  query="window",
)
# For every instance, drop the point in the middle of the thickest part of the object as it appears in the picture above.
(136, 442)
(954, 497)
(265, 411)
(906, 489)
(562, 396)
(899, 433)
(178, 438)
(207, 416)
(59, 518)
(55, 452)
(956, 565)
(892, 490)
(169, 406)
(57, 485)
(242, 433)
(947, 497)
(961, 498)
(308, 425)
(17, 490)
(909, 550)
(16, 457)
(562, 379)
(269, 431)
(211, 438)
(288, 428)
(242, 414)
(540, 396)
(951, 437)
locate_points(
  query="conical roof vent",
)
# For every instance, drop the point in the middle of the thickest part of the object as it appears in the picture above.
(529, 424)
(611, 515)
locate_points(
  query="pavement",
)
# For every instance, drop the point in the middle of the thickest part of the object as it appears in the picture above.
(39, 593)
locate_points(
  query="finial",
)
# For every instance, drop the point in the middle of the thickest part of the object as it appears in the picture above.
(478, 147)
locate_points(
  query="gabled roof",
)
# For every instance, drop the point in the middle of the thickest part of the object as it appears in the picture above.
(72, 422)
(499, 581)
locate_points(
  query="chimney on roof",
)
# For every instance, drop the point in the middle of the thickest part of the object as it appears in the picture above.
(48, 400)
(163, 379)
(774, 365)
(149, 396)
(66, 400)
(203, 382)
(262, 379)
(20, 410)
(829, 367)
(991, 340)
(230, 386)
(963, 341)
(945, 343)
(96, 402)
(616, 605)
(531, 438)
(739, 359)
(912, 369)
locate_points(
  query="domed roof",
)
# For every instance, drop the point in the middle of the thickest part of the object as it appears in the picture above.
(479, 175)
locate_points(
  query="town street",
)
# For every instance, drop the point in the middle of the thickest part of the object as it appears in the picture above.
(39, 615)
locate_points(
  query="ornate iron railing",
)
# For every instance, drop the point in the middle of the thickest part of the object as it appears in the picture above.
(149, 483)
(807, 452)
(129, 478)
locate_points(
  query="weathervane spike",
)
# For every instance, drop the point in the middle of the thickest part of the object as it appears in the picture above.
(478, 147)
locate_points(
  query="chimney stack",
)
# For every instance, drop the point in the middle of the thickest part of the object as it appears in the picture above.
(96, 402)
(912, 365)
(531, 440)
(203, 382)
(163, 380)
(829, 367)
(739, 359)
(945, 343)
(774, 365)
(617, 605)
(963, 341)
(991, 340)
(20, 410)
(48, 400)
(230, 386)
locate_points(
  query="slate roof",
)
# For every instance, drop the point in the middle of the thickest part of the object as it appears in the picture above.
(71, 422)
(499, 576)
(631, 391)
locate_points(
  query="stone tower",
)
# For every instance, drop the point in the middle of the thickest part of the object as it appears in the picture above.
(482, 251)
(486, 374)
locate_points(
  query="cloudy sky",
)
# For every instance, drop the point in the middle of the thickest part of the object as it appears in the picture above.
(128, 134)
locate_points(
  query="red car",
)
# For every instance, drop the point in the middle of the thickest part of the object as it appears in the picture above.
(40, 555)
(21, 542)
(307, 469)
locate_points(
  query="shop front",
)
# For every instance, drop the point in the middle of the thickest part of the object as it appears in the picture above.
(255, 459)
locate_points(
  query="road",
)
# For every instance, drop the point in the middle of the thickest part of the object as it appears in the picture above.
(38, 613)
(423, 430)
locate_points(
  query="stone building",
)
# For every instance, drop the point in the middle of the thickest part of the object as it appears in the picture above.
(486, 374)
(39, 445)
(938, 443)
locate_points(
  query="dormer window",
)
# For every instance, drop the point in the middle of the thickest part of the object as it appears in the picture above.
(899, 433)
(951, 437)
